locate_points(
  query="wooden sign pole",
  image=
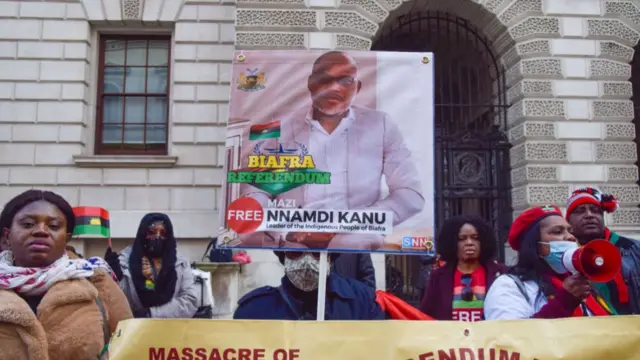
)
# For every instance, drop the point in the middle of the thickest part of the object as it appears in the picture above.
(322, 285)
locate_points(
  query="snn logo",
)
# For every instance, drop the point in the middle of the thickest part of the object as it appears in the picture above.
(420, 242)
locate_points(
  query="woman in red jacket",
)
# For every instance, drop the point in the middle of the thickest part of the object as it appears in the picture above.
(456, 290)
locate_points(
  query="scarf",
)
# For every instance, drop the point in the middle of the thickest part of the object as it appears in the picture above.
(149, 269)
(37, 281)
(162, 288)
(620, 285)
(595, 304)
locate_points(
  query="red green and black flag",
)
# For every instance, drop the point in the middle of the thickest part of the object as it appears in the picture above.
(265, 131)
(91, 222)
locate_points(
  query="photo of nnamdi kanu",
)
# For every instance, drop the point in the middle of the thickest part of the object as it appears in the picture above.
(357, 146)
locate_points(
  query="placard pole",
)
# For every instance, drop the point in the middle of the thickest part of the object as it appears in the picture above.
(322, 284)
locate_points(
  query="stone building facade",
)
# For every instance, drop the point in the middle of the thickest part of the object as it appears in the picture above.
(565, 63)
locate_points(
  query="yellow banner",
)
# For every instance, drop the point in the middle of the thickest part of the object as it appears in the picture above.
(612, 338)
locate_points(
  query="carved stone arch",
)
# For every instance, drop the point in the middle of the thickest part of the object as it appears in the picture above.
(473, 49)
(619, 69)
(355, 24)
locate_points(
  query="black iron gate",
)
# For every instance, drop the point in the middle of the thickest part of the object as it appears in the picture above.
(471, 148)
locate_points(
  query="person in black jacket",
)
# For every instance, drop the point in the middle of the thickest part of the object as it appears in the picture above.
(356, 266)
(297, 296)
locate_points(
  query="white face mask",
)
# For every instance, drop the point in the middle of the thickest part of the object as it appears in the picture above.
(303, 272)
(556, 252)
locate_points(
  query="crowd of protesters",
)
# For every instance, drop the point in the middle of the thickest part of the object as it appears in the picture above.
(54, 304)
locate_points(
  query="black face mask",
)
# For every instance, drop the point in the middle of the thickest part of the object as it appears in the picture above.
(155, 241)
(154, 247)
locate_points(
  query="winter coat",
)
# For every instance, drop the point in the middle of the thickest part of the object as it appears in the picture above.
(69, 322)
(346, 299)
(186, 298)
(630, 252)
(437, 301)
(506, 301)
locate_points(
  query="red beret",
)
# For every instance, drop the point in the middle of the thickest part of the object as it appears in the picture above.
(526, 220)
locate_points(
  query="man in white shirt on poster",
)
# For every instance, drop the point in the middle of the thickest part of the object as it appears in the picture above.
(357, 146)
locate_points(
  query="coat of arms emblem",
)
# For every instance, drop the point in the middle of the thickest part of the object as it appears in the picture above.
(251, 80)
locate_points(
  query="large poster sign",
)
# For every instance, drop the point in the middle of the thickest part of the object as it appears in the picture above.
(330, 150)
(566, 339)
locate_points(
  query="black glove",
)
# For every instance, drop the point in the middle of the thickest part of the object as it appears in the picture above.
(112, 259)
(142, 313)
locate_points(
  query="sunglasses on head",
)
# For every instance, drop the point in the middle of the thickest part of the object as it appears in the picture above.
(467, 291)
(294, 255)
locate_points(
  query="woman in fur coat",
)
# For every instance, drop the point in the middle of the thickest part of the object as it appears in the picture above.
(52, 307)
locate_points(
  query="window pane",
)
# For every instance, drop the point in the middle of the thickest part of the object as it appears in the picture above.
(113, 80)
(136, 52)
(156, 134)
(156, 110)
(158, 52)
(114, 52)
(112, 109)
(112, 134)
(134, 134)
(135, 80)
(157, 80)
(134, 110)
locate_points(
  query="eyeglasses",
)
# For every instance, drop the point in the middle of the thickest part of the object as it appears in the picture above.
(294, 255)
(323, 79)
(467, 291)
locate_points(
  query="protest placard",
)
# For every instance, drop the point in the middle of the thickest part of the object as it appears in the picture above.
(330, 150)
(563, 339)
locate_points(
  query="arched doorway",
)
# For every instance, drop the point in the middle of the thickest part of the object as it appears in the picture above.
(472, 174)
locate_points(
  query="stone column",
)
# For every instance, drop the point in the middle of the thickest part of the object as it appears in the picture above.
(567, 76)
(572, 126)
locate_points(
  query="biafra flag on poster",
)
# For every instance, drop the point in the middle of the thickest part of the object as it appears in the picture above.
(91, 222)
(265, 131)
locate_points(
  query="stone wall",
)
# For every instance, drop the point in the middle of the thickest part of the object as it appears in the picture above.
(48, 98)
(571, 114)
(566, 68)
(48, 75)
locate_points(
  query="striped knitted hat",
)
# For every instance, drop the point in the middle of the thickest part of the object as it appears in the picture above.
(588, 195)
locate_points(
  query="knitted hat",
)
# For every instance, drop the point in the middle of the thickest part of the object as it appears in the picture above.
(526, 220)
(588, 195)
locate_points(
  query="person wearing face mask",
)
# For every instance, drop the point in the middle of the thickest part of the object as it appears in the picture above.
(157, 282)
(585, 213)
(297, 296)
(538, 286)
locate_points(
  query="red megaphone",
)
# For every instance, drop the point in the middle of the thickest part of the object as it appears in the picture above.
(599, 261)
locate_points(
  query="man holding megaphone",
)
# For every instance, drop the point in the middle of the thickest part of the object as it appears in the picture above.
(585, 213)
(553, 276)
